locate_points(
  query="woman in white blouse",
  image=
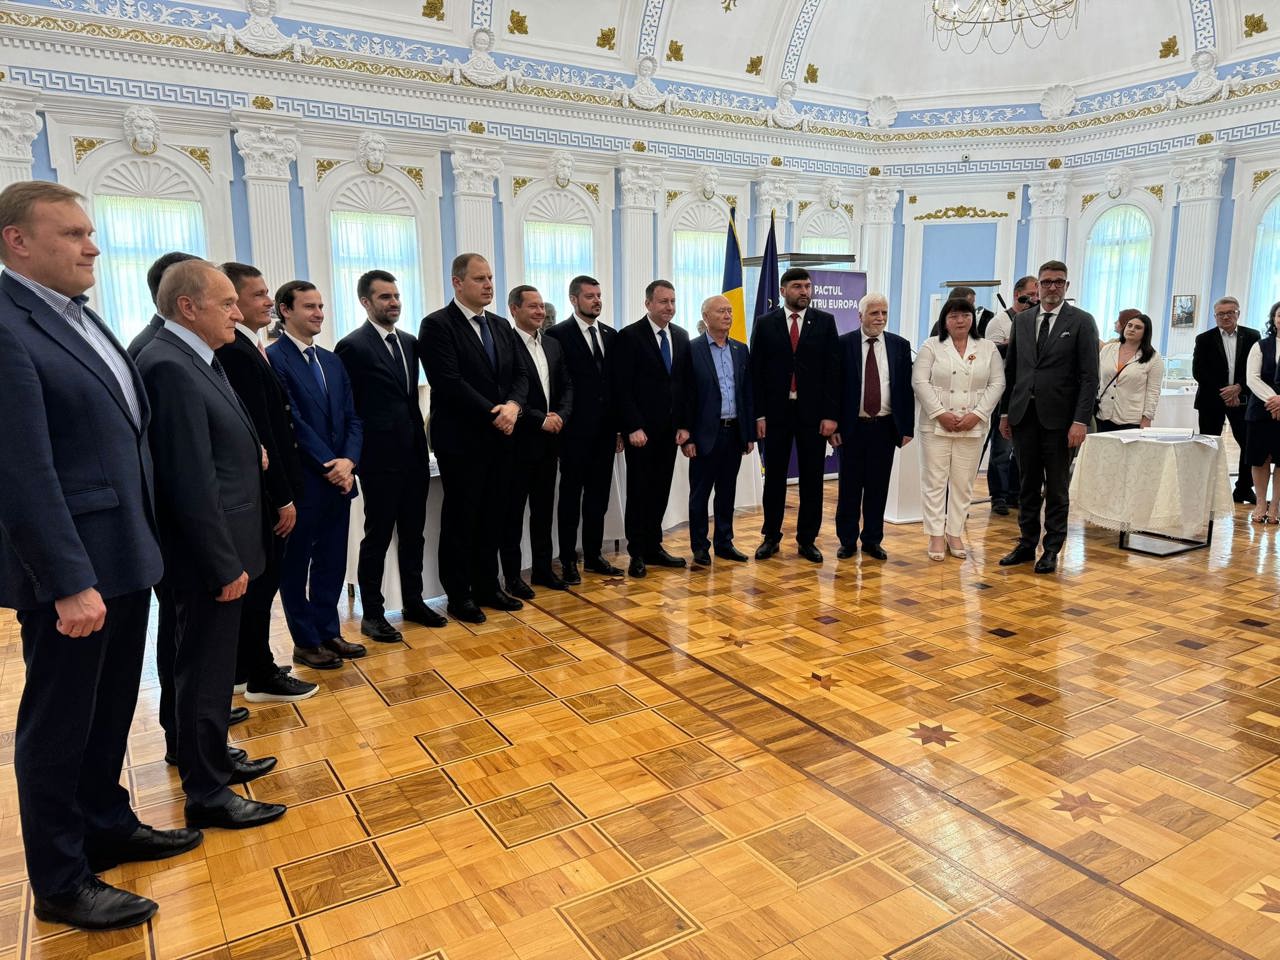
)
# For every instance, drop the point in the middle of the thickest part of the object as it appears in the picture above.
(1262, 445)
(958, 379)
(1131, 372)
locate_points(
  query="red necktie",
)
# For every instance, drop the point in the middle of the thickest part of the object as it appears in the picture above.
(795, 342)
(871, 381)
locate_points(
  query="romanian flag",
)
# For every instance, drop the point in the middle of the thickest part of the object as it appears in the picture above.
(732, 286)
(767, 291)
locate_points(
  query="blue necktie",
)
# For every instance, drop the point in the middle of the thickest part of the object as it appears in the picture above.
(665, 347)
(486, 338)
(314, 363)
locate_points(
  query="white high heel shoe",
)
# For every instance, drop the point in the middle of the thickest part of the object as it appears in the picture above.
(959, 552)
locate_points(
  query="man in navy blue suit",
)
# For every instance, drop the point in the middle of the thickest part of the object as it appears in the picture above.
(78, 557)
(329, 439)
(877, 414)
(715, 426)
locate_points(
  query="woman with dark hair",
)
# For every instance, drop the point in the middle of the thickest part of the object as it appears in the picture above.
(1131, 372)
(958, 378)
(1262, 444)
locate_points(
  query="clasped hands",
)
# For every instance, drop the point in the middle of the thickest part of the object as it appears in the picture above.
(505, 416)
(1273, 406)
(341, 473)
(954, 423)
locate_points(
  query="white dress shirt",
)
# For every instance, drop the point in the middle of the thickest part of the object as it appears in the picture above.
(471, 318)
(1253, 374)
(1057, 315)
(533, 343)
(583, 327)
(302, 349)
(1000, 327)
(882, 364)
(202, 349)
(1229, 341)
(383, 333)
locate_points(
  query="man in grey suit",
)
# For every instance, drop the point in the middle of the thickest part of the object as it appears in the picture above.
(1051, 380)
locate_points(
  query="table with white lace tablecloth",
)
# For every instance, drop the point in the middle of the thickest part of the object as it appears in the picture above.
(1151, 483)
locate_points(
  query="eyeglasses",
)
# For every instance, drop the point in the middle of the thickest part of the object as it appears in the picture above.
(1052, 283)
(1223, 314)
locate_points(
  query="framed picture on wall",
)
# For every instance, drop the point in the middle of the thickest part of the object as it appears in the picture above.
(1184, 311)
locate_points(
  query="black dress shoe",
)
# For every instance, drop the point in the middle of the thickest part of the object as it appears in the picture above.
(636, 568)
(520, 590)
(238, 814)
(663, 559)
(810, 553)
(247, 770)
(1019, 554)
(237, 715)
(844, 553)
(499, 600)
(569, 573)
(1000, 507)
(235, 753)
(768, 547)
(1244, 496)
(547, 578)
(96, 906)
(1048, 562)
(731, 553)
(875, 551)
(377, 628)
(601, 566)
(317, 658)
(467, 612)
(345, 648)
(420, 613)
(701, 558)
(145, 843)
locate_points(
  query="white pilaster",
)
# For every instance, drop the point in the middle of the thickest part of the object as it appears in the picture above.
(476, 163)
(641, 182)
(1047, 236)
(875, 254)
(19, 126)
(1199, 179)
(268, 146)
(775, 192)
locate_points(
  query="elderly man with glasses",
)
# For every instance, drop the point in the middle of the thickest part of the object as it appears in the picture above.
(1218, 367)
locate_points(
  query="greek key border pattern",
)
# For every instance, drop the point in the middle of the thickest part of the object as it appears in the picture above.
(1203, 24)
(799, 34)
(481, 14)
(650, 21)
(126, 89)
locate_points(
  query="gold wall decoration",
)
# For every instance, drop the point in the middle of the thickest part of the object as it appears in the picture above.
(1055, 164)
(475, 126)
(3, 75)
(913, 199)
(323, 167)
(672, 196)
(262, 103)
(433, 9)
(639, 146)
(85, 146)
(848, 208)
(1204, 139)
(1087, 199)
(1261, 177)
(518, 184)
(1254, 24)
(1012, 195)
(675, 51)
(593, 189)
(804, 205)
(731, 199)
(962, 213)
(608, 39)
(200, 155)
(811, 73)
(1157, 191)
(755, 66)
(518, 23)
(415, 174)
(775, 161)
(874, 171)
(1169, 48)
(729, 5)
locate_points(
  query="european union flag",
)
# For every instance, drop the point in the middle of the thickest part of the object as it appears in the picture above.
(767, 291)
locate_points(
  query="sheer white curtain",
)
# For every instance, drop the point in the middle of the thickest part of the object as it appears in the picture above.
(697, 271)
(362, 242)
(824, 245)
(1117, 265)
(555, 253)
(1264, 290)
(132, 232)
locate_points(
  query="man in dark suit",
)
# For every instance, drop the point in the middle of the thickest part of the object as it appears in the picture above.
(644, 355)
(1218, 363)
(255, 383)
(715, 426)
(395, 464)
(154, 274)
(795, 372)
(78, 557)
(537, 443)
(591, 440)
(1051, 383)
(330, 436)
(478, 390)
(1002, 469)
(211, 514)
(877, 415)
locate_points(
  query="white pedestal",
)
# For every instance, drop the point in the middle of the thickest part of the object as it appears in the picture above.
(903, 505)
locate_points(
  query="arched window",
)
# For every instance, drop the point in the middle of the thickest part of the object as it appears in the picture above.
(697, 259)
(1117, 264)
(1264, 289)
(826, 233)
(559, 245)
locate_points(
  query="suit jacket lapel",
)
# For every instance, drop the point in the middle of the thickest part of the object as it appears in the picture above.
(206, 370)
(469, 336)
(303, 372)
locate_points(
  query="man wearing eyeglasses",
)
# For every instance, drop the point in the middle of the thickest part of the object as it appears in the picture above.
(1051, 379)
(1218, 367)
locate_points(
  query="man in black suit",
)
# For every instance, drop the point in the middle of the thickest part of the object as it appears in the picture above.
(478, 390)
(645, 354)
(1218, 363)
(537, 443)
(154, 274)
(591, 440)
(211, 513)
(715, 426)
(877, 415)
(1051, 383)
(395, 464)
(1002, 468)
(78, 557)
(255, 383)
(795, 372)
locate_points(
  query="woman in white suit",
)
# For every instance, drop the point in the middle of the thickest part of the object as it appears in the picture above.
(1131, 375)
(958, 379)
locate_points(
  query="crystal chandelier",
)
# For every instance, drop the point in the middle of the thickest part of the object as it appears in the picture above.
(968, 23)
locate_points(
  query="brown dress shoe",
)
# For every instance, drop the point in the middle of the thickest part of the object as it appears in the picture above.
(317, 658)
(343, 648)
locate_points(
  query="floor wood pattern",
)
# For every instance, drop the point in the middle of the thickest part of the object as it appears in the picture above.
(904, 760)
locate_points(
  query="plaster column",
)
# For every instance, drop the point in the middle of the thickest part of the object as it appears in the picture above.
(475, 164)
(641, 182)
(774, 193)
(1199, 179)
(268, 148)
(875, 255)
(19, 126)
(1047, 236)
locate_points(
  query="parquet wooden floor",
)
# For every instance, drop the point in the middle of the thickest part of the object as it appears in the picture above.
(907, 760)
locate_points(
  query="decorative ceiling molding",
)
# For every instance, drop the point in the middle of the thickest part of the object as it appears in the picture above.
(200, 155)
(962, 213)
(1261, 177)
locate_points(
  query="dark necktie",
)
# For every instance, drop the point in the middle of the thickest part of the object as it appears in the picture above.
(396, 352)
(795, 342)
(486, 338)
(1042, 335)
(664, 347)
(313, 362)
(222, 375)
(595, 347)
(871, 381)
